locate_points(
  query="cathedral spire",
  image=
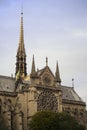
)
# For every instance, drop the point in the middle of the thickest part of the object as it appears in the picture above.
(57, 74)
(33, 66)
(21, 54)
(21, 39)
(33, 70)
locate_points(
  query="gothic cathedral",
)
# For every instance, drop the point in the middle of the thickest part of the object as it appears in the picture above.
(21, 97)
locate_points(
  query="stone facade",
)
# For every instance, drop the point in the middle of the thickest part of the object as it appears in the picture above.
(25, 94)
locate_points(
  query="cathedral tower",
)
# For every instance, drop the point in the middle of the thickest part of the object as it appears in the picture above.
(21, 54)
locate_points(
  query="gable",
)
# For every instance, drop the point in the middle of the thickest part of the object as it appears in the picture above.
(46, 77)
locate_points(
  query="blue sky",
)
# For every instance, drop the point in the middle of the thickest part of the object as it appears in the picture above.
(53, 28)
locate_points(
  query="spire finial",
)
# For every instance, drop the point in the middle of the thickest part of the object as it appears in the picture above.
(46, 61)
(33, 70)
(33, 66)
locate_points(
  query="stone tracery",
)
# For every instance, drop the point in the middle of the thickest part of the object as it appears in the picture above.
(47, 101)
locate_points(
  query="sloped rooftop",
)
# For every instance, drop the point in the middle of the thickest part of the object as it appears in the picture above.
(70, 94)
(7, 84)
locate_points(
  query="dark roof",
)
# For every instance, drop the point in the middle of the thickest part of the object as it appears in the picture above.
(7, 84)
(70, 94)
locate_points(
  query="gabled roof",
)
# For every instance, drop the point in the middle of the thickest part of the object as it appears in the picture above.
(40, 72)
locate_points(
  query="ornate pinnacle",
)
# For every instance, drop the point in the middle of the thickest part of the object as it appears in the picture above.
(57, 74)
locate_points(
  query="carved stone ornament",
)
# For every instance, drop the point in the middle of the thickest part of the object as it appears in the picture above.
(47, 79)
